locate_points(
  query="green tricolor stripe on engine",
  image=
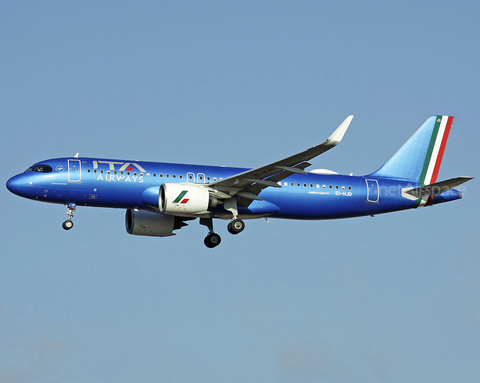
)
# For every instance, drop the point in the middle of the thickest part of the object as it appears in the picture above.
(180, 196)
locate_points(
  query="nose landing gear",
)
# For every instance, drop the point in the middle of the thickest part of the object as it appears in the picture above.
(71, 208)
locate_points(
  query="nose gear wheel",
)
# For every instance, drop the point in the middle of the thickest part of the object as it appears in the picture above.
(71, 209)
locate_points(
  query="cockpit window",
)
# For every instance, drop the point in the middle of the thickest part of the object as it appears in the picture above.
(39, 168)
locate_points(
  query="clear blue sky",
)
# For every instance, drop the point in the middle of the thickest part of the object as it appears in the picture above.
(394, 298)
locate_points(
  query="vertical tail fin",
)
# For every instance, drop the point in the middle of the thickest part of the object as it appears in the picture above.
(419, 159)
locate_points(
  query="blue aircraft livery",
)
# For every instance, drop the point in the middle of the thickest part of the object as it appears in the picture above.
(160, 198)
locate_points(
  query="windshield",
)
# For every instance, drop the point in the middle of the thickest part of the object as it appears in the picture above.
(39, 168)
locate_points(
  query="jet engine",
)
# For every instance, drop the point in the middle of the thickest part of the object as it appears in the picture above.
(141, 222)
(184, 199)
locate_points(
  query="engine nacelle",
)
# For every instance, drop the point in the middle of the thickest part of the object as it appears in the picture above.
(184, 199)
(141, 222)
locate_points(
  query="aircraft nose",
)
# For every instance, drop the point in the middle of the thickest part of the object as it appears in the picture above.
(14, 184)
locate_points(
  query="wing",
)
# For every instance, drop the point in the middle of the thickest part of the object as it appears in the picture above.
(249, 184)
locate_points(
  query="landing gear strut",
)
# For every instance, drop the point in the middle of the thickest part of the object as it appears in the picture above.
(212, 239)
(236, 225)
(71, 208)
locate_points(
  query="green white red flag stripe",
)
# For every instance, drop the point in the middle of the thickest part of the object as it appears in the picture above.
(436, 149)
(448, 125)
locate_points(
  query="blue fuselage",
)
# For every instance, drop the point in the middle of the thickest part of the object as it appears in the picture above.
(135, 184)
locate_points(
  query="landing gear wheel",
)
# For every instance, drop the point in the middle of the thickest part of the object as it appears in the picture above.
(212, 240)
(71, 209)
(236, 226)
(67, 225)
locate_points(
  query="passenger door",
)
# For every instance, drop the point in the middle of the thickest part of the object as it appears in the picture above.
(74, 171)
(373, 194)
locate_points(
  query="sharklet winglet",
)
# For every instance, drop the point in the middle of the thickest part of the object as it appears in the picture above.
(338, 134)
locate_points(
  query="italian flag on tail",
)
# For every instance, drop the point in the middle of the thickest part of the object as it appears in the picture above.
(435, 150)
(434, 156)
(418, 161)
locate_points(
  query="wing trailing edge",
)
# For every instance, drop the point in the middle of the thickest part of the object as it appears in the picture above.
(438, 187)
(255, 180)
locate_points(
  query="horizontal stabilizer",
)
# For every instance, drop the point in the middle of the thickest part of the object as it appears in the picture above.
(437, 188)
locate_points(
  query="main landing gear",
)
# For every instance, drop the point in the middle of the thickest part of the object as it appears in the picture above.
(236, 226)
(71, 208)
(213, 239)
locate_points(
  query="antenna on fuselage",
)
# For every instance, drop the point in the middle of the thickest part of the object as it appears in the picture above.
(76, 155)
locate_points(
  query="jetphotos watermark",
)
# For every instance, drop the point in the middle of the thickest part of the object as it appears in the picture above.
(415, 191)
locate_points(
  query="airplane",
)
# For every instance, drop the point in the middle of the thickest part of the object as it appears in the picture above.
(160, 198)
